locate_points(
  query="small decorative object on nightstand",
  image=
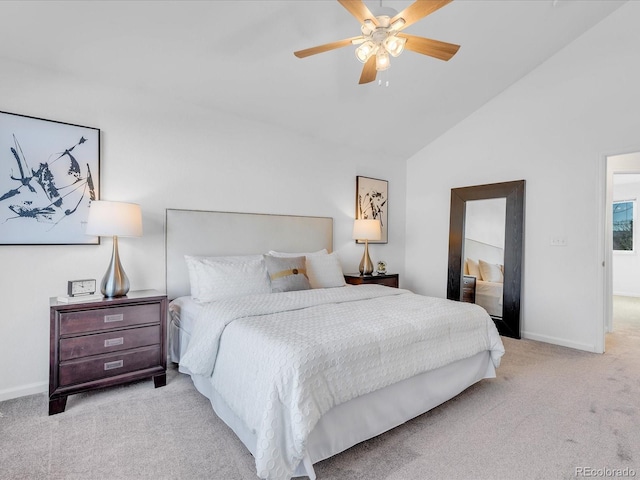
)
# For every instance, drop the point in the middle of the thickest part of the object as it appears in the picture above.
(469, 289)
(105, 342)
(382, 268)
(80, 291)
(81, 287)
(388, 279)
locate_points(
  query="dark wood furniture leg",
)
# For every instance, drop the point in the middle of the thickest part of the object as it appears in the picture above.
(57, 405)
(160, 380)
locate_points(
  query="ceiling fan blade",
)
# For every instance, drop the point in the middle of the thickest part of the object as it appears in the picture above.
(358, 9)
(426, 46)
(369, 71)
(325, 48)
(419, 9)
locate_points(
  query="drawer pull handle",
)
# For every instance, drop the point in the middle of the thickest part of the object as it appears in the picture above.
(112, 365)
(112, 342)
(113, 318)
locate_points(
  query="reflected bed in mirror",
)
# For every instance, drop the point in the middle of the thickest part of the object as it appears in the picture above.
(485, 242)
(483, 251)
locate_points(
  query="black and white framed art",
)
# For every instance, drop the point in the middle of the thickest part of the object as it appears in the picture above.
(372, 197)
(49, 173)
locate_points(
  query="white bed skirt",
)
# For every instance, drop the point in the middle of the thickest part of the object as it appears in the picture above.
(178, 342)
(369, 415)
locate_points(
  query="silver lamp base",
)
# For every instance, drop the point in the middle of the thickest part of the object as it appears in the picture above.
(115, 282)
(366, 267)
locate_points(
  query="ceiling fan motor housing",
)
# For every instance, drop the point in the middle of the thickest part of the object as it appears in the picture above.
(384, 11)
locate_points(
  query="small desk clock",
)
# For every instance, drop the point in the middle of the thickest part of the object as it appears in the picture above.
(81, 287)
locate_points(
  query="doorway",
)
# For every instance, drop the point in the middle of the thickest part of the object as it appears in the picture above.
(621, 244)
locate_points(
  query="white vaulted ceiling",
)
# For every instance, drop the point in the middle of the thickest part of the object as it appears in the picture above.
(237, 56)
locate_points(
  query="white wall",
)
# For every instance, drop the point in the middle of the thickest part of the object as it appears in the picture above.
(484, 221)
(553, 128)
(626, 265)
(162, 154)
(483, 251)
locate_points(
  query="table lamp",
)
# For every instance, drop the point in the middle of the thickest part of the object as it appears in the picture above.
(366, 230)
(115, 219)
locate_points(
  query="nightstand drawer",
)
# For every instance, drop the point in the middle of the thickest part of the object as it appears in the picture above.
(114, 341)
(103, 366)
(106, 318)
(469, 289)
(388, 281)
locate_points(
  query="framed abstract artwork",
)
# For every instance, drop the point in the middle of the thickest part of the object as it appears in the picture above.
(372, 201)
(49, 173)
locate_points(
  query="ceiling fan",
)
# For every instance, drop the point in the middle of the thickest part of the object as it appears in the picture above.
(382, 36)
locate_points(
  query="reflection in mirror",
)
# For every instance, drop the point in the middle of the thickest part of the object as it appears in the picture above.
(512, 193)
(484, 253)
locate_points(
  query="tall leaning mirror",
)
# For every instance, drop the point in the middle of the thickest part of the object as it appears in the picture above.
(477, 246)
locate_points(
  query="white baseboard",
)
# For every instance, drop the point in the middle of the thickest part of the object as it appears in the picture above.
(560, 341)
(23, 391)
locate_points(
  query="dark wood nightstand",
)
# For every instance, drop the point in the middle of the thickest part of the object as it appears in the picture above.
(469, 289)
(388, 279)
(106, 342)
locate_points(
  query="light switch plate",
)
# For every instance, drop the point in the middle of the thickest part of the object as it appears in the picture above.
(558, 241)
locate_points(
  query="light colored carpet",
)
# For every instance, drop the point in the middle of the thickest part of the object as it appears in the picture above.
(550, 411)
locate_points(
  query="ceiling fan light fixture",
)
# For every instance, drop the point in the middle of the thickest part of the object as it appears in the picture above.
(397, 25)
(381, 36)
(382, 60)
(365, 51)
(383, 20)
(394, 45)
(367, 27)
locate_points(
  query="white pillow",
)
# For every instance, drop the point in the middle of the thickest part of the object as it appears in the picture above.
(217, 278)
(325, 271)
(473, 268)
(491, 272)
(287, 254)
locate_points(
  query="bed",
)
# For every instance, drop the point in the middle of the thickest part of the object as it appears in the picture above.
(489, 277)
(489, 296)
(301, 375)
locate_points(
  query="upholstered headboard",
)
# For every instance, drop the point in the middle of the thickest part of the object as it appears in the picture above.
(198, 232)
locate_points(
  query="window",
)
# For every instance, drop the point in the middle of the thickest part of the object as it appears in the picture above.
(623, 226)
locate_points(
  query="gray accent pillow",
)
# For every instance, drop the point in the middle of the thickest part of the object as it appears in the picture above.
(287, 273)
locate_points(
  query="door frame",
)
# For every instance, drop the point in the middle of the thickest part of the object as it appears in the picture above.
(612, 163)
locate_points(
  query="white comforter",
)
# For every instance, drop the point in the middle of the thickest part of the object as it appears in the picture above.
(489, 296)
(280, 361)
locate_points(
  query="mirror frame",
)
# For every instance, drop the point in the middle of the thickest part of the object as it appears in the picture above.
(509, 324)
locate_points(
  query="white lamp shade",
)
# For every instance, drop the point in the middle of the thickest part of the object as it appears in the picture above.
(114, 219)
(367, 229)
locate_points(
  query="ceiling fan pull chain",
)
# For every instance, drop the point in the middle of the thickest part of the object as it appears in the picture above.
(383, 79)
